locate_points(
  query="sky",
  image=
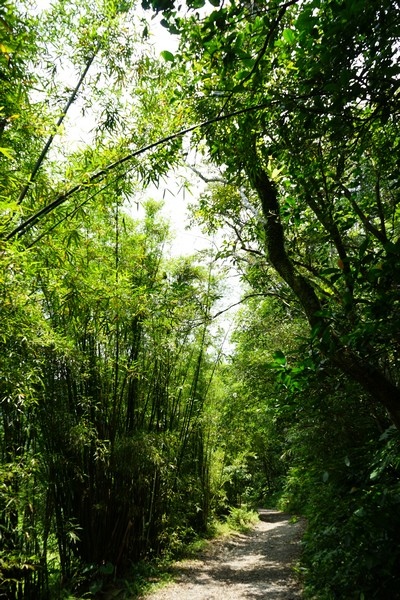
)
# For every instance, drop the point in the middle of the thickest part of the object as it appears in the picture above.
(175, 196)
(171, 191)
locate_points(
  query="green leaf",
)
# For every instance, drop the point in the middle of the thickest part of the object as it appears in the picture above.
(325, 476)
(388, 432)
(5, 49)
(363, 248)
(242, 74)
(279, 357)
(249, 62)
(106, 569)
(289, 36)
(96, 586)
(214, 3)
(305, 21)
(7, 153)
(167, 55)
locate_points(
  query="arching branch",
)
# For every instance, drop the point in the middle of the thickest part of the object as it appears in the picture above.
(102, 173)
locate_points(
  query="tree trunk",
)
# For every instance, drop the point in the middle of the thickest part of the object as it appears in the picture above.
(370, 378)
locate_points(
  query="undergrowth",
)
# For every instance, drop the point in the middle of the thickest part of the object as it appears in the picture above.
(149, 575)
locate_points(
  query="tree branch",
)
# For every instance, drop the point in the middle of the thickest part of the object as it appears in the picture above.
(275, 245)
(268, 39)
(207, 179)
(99, 175)
(248, 297)
(381, 236)
(46, 148)
(380, 206)
(365, 373)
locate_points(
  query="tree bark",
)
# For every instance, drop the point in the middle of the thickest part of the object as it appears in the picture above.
(370, 378)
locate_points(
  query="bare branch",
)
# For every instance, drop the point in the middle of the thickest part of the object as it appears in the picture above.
(207, 179)
(248, 297)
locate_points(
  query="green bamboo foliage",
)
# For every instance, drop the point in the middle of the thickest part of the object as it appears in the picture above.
(103, 343)
(104, 383)
(118, 418)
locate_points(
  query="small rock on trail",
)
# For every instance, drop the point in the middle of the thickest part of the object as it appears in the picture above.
(257, 565)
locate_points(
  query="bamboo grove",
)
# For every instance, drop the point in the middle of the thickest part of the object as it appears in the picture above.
(125, 428)
(106, 370)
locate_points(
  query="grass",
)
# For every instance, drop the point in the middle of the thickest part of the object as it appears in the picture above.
(150, 575)
(242, 519)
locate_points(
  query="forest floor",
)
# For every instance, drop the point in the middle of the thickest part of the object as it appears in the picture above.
(257, 565)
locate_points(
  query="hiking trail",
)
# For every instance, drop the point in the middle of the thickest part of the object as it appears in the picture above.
(256, 566)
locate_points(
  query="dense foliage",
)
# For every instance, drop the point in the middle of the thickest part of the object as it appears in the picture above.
(106, 367)
(124, 429)
(307, 168)
(340, 472)
(104, 386)
(317, 157)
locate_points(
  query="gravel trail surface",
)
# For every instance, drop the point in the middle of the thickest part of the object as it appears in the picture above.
(254, 566)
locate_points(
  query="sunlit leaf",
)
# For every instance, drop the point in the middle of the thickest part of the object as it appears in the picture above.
(7, 152)
(289, 36)
(167, 55)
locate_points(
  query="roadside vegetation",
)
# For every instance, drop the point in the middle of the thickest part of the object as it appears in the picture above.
(128, 425)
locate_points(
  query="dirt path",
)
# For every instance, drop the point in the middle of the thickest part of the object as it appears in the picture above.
(257, 565)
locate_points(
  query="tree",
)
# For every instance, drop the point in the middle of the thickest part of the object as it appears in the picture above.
(319, 159)
(255, 413)
(111, 389)
(105, 368)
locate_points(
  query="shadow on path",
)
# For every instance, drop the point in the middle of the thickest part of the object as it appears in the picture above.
(258, 565)
(272, 516)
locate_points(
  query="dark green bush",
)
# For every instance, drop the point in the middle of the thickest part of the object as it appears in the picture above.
(351, 548)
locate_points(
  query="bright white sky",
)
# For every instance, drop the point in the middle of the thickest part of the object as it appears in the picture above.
(175, 196)
(171, 191)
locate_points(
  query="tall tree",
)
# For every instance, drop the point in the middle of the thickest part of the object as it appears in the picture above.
(103, 373)
(318, 153)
